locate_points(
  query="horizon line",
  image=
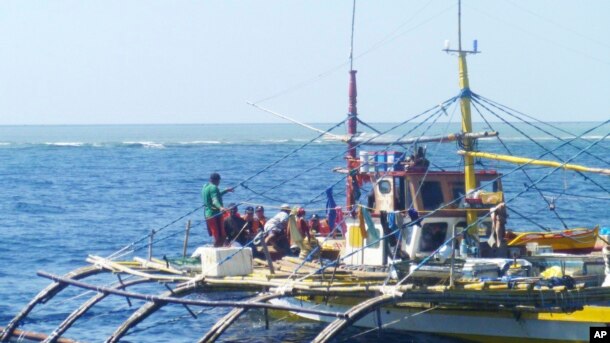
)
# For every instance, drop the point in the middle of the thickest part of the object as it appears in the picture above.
(262, 123)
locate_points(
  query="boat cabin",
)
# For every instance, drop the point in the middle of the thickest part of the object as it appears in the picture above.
(439, 195)
(427, 192)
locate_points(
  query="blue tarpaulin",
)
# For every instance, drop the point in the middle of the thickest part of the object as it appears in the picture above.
(331, 214)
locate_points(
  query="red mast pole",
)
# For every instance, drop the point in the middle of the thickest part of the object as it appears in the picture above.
(352, 127)
(352, 119)
(352, 112)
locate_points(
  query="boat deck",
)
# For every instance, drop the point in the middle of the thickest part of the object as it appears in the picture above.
(362, 291)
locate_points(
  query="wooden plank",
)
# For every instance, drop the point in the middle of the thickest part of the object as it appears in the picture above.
(117, 267)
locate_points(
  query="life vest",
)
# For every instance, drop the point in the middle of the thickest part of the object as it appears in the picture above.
(303, 227)
(322, 228)
(262, 221)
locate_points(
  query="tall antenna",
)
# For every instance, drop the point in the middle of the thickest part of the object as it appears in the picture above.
(460, 25)
(351, 47)
(470, 181)
(459, 50)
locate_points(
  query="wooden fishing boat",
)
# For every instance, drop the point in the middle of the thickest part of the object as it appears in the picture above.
(413, 258)
(572, 241)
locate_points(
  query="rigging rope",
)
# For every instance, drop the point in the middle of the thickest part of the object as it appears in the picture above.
(456, 200)
(435, 150)
(447, 102)
(523, 170)
(364, 143)
(388, 38)
(425, 260)
(537, 127)
(537, 143)
(242, 183)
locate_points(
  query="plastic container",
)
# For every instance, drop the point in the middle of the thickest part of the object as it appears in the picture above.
(240, 264)
(531, 249)
(364, 161)
(371, 157)
(390, 159)
(463, 248)
(380, 161)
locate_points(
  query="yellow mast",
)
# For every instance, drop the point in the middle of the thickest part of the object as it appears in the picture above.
(470, 182)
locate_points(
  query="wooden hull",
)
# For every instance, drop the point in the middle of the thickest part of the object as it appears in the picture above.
(475, 325)
(573, 241)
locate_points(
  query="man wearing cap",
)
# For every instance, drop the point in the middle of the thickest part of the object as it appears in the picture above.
(235, 227)
(212, 200)
(275, 229)
(260, 215)
(252, 224)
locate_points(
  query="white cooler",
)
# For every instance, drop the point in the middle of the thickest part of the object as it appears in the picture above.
(240, 264)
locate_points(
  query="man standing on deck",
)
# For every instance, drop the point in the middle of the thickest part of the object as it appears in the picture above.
(212, 200)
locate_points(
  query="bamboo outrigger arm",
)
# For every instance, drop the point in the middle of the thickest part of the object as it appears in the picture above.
(49, 292)
(524, 160)
(380, 140)
(156, 302)
(69, 321)
(353, 315)
(149, 308)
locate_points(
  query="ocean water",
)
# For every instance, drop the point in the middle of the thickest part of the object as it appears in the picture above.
(70, 191)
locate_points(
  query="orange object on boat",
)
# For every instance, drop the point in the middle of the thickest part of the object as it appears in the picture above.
(573, 241)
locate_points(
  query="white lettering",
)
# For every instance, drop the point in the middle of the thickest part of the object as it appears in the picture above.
(600, 334)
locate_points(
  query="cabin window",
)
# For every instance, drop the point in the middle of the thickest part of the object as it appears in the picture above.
(400, 192)
(432, 195)
(408, 200)
(432, 237)
(457, 191)
(384, 186)
(493, 187)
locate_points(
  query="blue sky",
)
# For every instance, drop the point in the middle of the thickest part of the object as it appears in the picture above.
(116, 62)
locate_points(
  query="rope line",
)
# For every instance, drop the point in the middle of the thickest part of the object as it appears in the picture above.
(506, 108)
(523, 170)
(538, 127)
(478, 221)
(538, 144)
(456, 200)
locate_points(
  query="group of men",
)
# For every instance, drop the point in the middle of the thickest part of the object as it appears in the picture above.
(228, 227)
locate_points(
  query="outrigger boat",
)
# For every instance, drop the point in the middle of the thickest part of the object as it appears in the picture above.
(426, 254)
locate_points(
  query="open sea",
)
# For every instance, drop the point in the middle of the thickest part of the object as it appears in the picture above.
(70, 191)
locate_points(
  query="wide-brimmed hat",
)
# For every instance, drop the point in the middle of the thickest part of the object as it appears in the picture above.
(285, 207)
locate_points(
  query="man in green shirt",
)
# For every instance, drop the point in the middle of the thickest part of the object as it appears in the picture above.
(212, 200)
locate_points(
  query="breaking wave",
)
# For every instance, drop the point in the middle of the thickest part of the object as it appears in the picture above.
(145, 144)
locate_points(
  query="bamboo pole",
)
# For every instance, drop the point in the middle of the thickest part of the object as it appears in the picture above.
(186, 239)
(524, 160)
(49, 292)
(194, 302)
(67, 323)
(114, 266)
(150, 243)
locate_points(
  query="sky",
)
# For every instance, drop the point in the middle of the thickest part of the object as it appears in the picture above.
(158, 62)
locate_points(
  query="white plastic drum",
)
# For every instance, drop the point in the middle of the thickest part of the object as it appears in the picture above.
(364, 162)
